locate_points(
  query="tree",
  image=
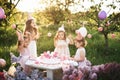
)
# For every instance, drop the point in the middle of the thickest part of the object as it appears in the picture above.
(9, 8)
(55, 14)
(105, 26)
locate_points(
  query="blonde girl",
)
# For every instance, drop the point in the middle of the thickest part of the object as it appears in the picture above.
(24, 51)
(61, 44)
(80, 43)
(33, 30)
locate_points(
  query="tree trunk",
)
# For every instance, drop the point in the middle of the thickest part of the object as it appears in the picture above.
(106, 42)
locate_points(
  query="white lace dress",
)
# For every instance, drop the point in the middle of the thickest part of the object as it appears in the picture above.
(81, 64)
(32, 48)
(62, 48)
(25, 56)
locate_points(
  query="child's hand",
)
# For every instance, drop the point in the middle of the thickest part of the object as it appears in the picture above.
(20, 35)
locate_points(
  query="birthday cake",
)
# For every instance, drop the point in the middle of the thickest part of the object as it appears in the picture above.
(48, 58)
(51, 61)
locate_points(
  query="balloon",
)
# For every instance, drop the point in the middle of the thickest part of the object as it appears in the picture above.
(102, 15)
(2, 13)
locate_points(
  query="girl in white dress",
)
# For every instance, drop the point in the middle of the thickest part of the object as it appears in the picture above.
(33, 30)
(24, 50)
(80, 55)
(61, 44)
(23, 43)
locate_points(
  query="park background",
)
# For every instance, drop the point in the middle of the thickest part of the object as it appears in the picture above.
(103, 46)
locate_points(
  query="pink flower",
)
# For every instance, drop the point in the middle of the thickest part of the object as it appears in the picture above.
(89, 36)
(100, 29)
(113, 35)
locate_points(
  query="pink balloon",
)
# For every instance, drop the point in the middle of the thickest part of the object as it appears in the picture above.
(102, 15)
(2, 13)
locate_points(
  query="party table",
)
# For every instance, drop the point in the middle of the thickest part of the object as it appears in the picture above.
(48, 67)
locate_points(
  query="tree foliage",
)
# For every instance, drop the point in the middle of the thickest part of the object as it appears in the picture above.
(9, 8)
(55, 14)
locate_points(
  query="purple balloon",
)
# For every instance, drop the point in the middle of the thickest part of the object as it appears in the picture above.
(2, 13)
(102, 15)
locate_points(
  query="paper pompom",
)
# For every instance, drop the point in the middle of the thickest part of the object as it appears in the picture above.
(2, 62)
(89, 36)
(113, 35)
(49, 34)
(100, 29)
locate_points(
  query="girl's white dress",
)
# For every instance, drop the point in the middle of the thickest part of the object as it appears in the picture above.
(32, 48)
(24, 57)
(62, 48)
(81, 64)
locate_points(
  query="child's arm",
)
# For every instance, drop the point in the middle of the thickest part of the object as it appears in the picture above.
(70, 40)
(55, 43)
(36, 36)
(19, 35)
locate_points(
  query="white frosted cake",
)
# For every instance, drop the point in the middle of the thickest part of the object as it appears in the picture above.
(50, 61)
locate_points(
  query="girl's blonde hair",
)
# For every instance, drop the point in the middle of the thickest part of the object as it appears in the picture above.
(82, 41)
(30, 28)
(24, 43)
(56, 36)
